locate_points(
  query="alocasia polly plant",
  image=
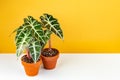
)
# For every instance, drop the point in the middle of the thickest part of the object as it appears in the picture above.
(52, 25)
(32, 37)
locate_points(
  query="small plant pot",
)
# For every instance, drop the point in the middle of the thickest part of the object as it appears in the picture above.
(50, 62)
(31, 69)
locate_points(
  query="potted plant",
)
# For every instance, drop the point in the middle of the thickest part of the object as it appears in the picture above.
(50, 55)
(30, 37)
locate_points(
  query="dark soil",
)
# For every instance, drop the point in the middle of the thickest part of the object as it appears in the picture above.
(49, 52)
(27, 60)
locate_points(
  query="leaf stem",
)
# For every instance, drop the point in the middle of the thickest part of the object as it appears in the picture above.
(28, 54)
(50, 43)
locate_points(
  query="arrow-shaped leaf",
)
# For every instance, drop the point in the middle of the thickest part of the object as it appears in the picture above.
(22, 40)
(35, 26)
(52, 24)
(35, 50)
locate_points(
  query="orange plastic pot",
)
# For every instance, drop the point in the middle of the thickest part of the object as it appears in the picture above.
(49, 62)
(31, 69)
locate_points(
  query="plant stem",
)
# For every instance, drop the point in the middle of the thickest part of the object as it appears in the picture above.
(28, 54)
(50, 43)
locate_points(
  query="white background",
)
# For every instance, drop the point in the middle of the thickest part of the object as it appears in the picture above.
(69, 67)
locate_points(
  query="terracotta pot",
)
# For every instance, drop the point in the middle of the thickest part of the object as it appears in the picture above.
(50, 62)
(31, 69)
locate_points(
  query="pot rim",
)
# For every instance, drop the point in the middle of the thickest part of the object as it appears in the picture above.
(51, 56)
(40, 61)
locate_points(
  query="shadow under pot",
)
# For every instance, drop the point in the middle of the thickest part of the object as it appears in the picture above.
(49, 58)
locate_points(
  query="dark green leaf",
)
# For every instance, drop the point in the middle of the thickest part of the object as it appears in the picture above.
(52, 24)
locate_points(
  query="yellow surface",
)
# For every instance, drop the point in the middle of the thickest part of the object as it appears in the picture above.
(88, 25)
